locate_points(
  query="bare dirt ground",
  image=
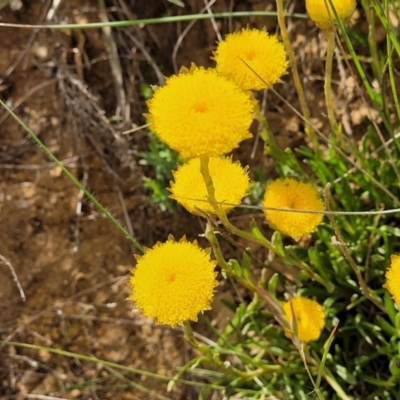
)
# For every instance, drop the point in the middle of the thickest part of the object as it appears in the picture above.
(71, 262)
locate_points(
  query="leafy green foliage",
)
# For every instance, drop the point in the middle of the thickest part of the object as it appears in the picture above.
(163, 160)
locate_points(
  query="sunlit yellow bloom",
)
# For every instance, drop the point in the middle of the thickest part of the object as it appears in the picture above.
(393, 278)
(173, 282)
(324, 19)
(308, 320)
(251, 58)
(231, 183)
(199, 113)
(290, 193)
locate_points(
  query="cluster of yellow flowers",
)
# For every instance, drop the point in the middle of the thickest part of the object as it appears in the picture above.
(206, 113)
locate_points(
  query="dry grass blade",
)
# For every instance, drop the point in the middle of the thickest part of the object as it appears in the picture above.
(15, 277)
(116, 70)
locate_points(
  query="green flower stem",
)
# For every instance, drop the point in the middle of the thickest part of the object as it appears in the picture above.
(327, 375)
(271, 303)
(261, 371)
(209, 354)
(323, 371)
(212, 239)
(302, 349)
(249, 236)
(189, 336)
(296, 78)
(365, 290)
(75, 181)
(221, 213)
(328, 87)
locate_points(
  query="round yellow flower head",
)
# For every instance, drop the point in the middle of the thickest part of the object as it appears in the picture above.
(200, 113)
(309, 317)
(393, 278)
(251, 58)
(321, 12)
(173, 282)
(231, 183)
(290, 193)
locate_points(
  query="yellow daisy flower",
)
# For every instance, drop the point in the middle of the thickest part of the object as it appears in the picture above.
(231, 183)
(290, 193)
(309, 317)
(251, 58)
(199, 113)
(324, 19)
(173, 282)
(393, 278)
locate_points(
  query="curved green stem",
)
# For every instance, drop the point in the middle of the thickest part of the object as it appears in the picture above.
(212, 239)
(260, 239)
(221, 213)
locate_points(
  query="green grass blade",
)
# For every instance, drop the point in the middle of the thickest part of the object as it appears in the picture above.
(151, 21)
(75, 181)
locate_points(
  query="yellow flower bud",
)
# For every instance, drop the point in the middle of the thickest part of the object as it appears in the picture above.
(321, 12)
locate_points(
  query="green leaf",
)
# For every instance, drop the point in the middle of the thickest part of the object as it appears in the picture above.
(272, 284)
(237, 268)
(276, 240)
(345, 374)
(178, 3)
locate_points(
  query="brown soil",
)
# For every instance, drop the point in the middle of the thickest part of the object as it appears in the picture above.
(71, 262)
